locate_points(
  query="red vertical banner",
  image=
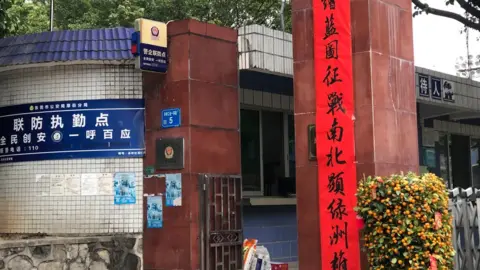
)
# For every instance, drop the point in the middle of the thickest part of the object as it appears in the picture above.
(334, 134)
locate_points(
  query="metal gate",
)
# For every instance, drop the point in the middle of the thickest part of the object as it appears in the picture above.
(221, 224)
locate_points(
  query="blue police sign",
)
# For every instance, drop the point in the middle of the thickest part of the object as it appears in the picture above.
(171, 118)
(72, 129)
(149, 45)
(153, 58)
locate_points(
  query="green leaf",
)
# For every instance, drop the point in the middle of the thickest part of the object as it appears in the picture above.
(22, 16)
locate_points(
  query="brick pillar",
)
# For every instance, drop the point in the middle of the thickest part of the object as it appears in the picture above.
(202, 81)
(385, 107)
(384, 83)
(304, 115)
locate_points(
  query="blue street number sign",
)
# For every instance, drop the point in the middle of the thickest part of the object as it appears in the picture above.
(171, 118)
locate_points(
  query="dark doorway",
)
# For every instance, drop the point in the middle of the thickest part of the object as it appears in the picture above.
(461, 169)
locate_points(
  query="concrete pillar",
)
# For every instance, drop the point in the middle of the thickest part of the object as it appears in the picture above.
(305, 112)
(384, 84)
(385, 107)
(202, 81)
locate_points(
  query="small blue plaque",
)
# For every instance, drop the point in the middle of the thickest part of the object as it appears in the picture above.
(171, 118)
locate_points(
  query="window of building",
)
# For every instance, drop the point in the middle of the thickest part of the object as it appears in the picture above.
(443, 156)
(250, 134)
(456, 159)
(268, 157)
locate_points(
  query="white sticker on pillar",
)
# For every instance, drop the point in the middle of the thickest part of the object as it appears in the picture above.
(57, 185)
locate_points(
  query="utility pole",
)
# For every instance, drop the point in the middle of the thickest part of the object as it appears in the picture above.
(467, 39)
(51, 15)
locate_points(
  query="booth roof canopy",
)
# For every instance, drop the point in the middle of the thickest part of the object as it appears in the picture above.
(67, 45)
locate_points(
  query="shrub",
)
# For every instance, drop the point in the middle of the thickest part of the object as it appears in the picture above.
(407, 223)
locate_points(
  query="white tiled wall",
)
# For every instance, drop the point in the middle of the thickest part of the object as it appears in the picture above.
(266, 49)
(22, 209)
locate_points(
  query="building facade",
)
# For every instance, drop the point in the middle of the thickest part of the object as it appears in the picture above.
(62, 68)
(42, 195)
(448, 109)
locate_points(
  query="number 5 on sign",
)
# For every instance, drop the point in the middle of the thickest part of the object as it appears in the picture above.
(171, 118)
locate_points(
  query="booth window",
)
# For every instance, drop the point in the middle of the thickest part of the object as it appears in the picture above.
(250, 151)
(267, 150)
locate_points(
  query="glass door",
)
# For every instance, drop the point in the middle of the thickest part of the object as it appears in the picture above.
(443, 167)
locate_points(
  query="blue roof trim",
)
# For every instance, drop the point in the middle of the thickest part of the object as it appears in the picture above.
(68, 45)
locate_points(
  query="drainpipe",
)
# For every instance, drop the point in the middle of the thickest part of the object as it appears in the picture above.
(51, 15)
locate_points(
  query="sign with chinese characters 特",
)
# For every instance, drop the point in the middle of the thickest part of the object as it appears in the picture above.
(149, 45)
(339, 237)
(72, 129)
(423, 85)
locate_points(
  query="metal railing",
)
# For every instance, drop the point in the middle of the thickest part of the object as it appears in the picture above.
(464, 204)
(221, 226)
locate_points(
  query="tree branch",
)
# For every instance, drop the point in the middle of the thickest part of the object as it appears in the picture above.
(475, 3)
(447, 14)
(469, 8)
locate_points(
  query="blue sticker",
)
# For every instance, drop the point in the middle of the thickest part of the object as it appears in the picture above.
(154, 212)
(173, 184)
(124, 188)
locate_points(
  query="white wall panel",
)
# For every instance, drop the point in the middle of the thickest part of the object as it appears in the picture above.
(22, 209)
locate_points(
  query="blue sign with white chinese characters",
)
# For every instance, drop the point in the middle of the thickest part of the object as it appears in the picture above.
(149, 45)
(153, 58)
(171, 118)
(72, 129)
(423, 85)
(436, 88)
